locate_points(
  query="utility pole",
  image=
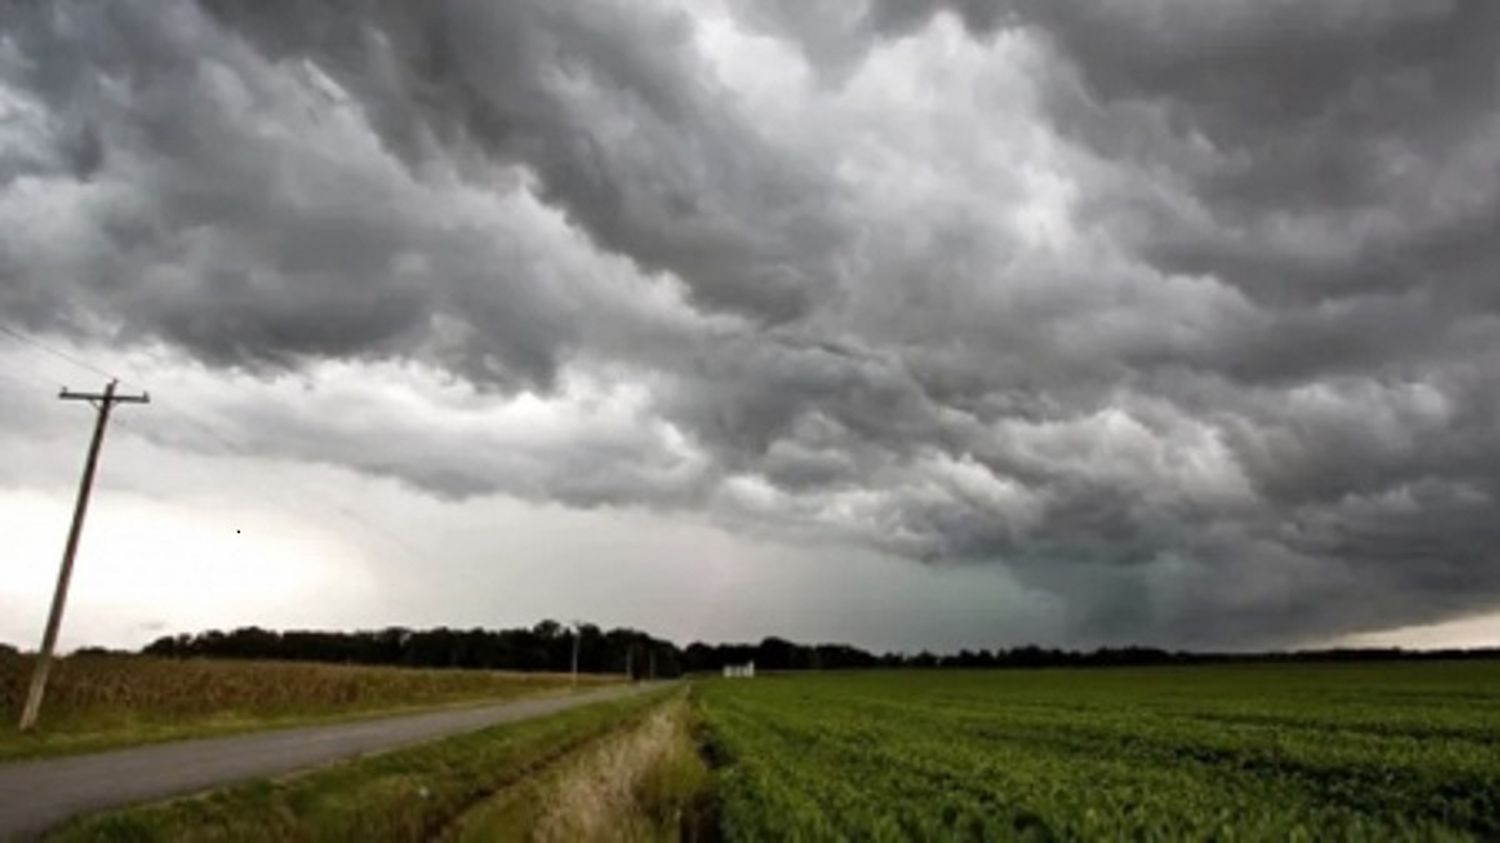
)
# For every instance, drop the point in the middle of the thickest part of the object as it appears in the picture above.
(629, 658)
(103, 403)
(576, 633)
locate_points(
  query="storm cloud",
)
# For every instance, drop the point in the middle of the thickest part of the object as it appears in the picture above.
(1186, 313)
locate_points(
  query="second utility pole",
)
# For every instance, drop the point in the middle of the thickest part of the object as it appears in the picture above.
(102, 403)
(577, 629)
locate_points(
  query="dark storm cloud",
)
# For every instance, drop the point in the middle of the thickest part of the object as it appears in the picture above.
(1185, 312)
(1336, 150)
(591, 97)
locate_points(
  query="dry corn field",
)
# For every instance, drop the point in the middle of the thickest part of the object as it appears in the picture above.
(104, 693)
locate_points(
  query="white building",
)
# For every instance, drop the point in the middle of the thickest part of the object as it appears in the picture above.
(740, 671)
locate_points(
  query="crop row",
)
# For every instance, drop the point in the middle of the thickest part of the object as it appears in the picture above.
(1225, 753)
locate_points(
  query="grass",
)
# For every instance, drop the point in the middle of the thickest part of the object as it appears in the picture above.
(99, 702)
(646, 782)
(407, 795)
(1250, 752)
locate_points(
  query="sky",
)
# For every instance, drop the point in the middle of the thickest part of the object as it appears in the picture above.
(907, 323)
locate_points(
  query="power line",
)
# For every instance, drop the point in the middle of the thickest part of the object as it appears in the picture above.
(59, 354)
(369, 525)
(305, 491)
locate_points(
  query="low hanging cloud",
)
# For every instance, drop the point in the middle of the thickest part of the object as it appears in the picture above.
(1184, 312)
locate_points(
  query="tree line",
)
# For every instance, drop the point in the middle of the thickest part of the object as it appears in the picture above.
(548, 646)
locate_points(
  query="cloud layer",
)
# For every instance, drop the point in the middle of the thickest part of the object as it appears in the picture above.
(1183, 312)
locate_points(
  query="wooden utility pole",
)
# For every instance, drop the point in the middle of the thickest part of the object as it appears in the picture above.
(103, 403)
(577, 631)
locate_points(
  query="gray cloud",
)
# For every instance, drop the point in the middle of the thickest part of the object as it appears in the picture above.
(1183, 312)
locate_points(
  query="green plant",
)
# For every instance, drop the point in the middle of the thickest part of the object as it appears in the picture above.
(1295, 752)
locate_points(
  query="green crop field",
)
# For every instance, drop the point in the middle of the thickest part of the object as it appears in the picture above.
(1233, 752)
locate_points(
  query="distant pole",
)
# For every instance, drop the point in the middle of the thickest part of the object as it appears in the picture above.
(652, 651)
(103, 403)
(629, 659)
(576, 632)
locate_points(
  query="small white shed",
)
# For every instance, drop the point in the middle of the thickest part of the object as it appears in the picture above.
(740, 671)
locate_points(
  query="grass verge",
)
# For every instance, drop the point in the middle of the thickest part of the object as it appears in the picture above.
(644, 782)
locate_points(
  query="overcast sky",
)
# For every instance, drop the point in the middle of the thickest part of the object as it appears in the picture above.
(909, 323)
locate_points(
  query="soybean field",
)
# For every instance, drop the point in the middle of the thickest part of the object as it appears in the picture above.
(1222, 752)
